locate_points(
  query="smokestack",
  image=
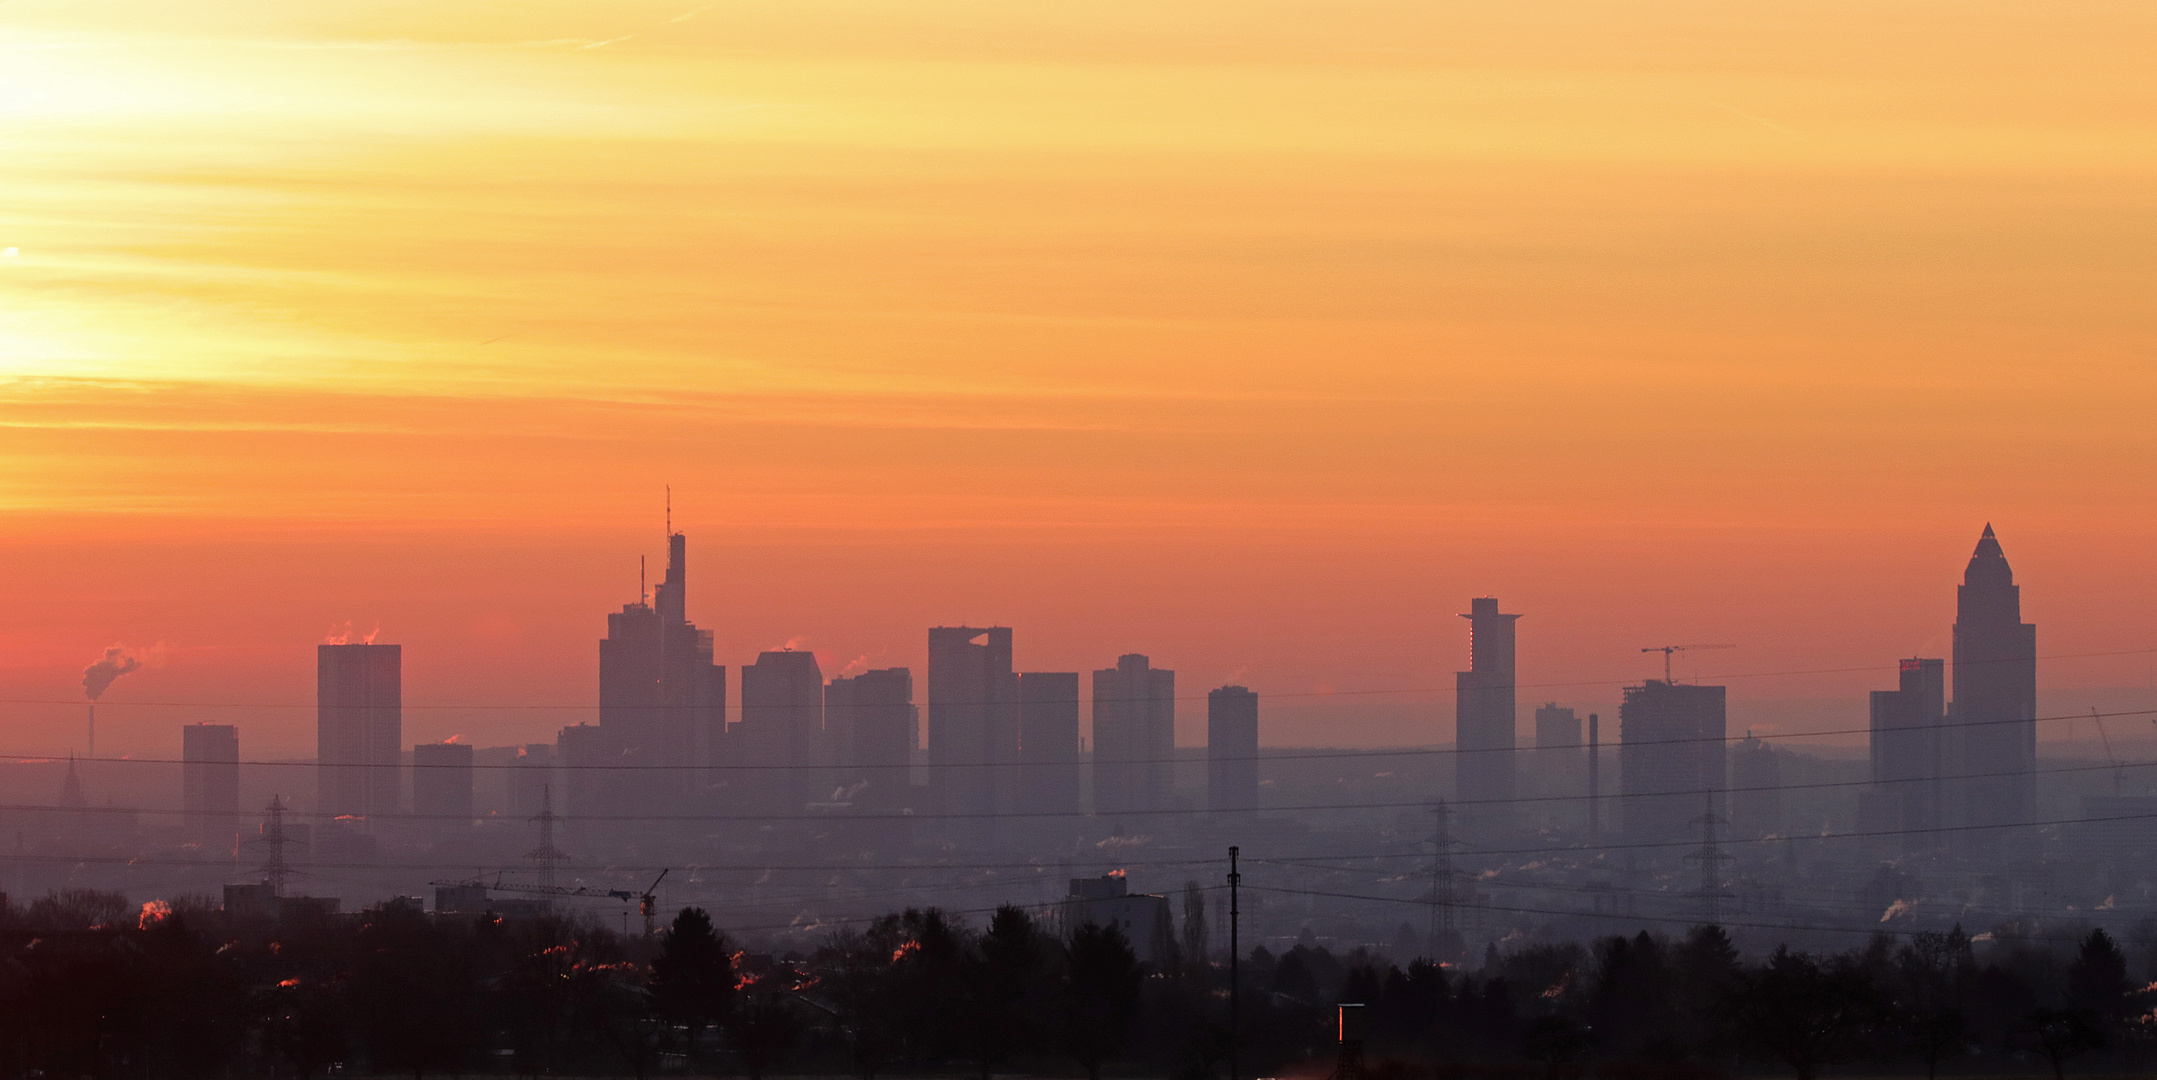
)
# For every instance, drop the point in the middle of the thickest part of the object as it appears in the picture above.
(98, 677)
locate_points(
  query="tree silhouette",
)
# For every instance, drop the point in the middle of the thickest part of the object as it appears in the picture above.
(1806, 1013)
(2059, 1034)
(692, 980)
(189, 1011)
(302, 1025)
(2097, 979)
(1932, 974)
(1003, 1007)
(1630, 1008)
(1197, 948)
(931, 970)
(1101, 996)
(415, 992)
(764, 1025)
(1556, 1043)
(864, 991)
(1706, 978)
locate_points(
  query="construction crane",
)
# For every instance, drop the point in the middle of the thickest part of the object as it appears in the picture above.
(1666, 650)
(647, 901)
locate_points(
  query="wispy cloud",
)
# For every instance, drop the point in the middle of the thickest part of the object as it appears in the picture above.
(691, 13)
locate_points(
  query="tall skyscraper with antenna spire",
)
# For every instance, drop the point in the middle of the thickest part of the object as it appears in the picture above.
(662, 701)
(1994, 718)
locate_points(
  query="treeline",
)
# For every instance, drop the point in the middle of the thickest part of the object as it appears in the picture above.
(91, 987)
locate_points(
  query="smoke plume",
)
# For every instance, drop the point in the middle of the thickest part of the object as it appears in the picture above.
(343, 634)
(98, 676)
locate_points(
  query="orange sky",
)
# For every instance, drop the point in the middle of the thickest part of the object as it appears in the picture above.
(1254, 336)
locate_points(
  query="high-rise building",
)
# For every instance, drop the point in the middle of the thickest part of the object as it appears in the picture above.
(593, 780)
(781, 734)
(1994, 717)
(1134, 736)
(1557, 733)
(442, 783)
(359, 729)
(1908, 729)
(210, 783)
(660, 695)
(973, 725)
(1671, 760)
(1558, 766)
(869, 723)
(1049, 742)
(1232, 749)
(533, 786)
(1483, 726)
(1756, 789)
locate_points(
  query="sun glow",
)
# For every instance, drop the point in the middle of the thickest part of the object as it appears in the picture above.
(1081, 316)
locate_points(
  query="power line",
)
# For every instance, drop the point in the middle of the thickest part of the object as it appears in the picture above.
(1285, 755)
(1790, 838)
(1173, 811)
(1419, 853)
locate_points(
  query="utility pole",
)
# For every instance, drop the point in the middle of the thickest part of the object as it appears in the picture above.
(1235, 972)
(1711, 859)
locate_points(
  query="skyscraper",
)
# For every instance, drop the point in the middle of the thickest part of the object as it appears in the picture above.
(210, 783)
(1232, 749)
(661, 698)
(442, 783)
(359, 728)
(591, 773)
(1995, 709)
(973, 724)
(781, 734)
(1049, 742)
(1670, 758)
(1557, 767)
(1134, 736)
(1557, 732)
(1756, 789)
(1907, 754)
(869, 723)
(1483, 723)
(533, 785)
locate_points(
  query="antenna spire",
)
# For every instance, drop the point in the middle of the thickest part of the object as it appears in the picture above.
(670, 509)
(643, 594)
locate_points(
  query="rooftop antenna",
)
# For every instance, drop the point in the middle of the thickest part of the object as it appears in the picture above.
(644, 595)
(670, 509)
